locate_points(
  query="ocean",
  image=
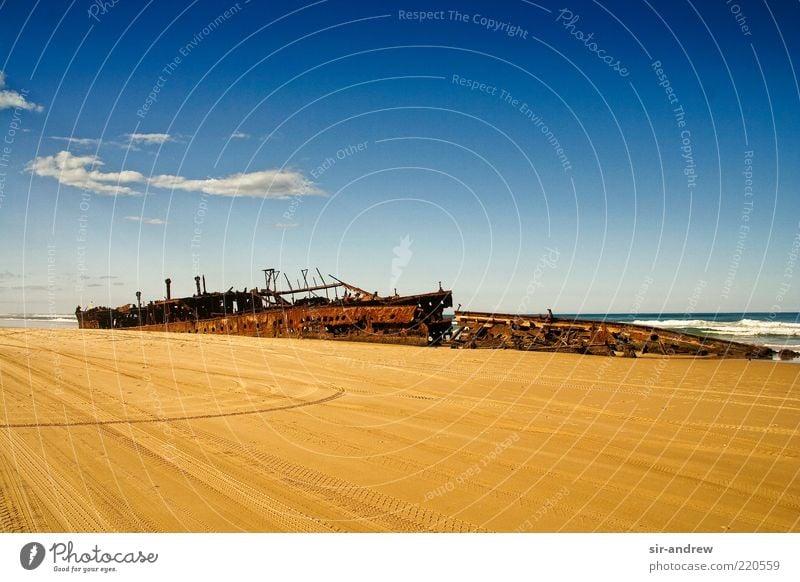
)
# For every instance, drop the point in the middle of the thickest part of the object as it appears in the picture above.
(39, 320)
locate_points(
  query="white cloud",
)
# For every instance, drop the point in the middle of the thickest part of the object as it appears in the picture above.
(262, 184)
(79, 141)
(144, 220)
(240, 135)
(12, 99)
(149, 138)
(81, 172)
(96, 142)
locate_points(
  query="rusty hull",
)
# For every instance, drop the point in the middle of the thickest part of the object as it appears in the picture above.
(357, 315)
(546, 333)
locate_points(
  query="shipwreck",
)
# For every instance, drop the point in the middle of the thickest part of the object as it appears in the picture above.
(338, 310)
(320, 309)
(547, 333)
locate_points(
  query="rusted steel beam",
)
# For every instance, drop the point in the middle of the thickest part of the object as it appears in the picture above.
(291, 291)
(549, 333)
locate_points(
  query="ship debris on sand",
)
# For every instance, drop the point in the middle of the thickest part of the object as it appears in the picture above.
(545, 333)
(308, 310)
(319, 309)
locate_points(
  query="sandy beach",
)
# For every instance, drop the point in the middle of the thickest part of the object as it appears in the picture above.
(150, 432)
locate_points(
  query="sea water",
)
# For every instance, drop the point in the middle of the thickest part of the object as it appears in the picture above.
(39, 320)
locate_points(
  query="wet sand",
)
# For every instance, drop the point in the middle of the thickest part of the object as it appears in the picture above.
(129, 431)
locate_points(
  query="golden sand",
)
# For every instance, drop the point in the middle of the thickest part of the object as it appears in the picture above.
(129, 431)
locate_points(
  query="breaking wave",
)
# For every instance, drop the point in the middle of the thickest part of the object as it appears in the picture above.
(39, 317)
(740, 328)
(38, 320)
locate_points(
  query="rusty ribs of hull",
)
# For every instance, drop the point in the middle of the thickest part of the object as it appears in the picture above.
(351, 314)
(549, 334)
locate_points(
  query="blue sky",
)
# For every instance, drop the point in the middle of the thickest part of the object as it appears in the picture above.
(589, 157)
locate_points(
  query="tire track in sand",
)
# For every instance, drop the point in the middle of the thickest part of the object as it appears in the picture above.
(367, 504)
(338, 394)
(15, 514)
(55, 492)
(210, 477)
